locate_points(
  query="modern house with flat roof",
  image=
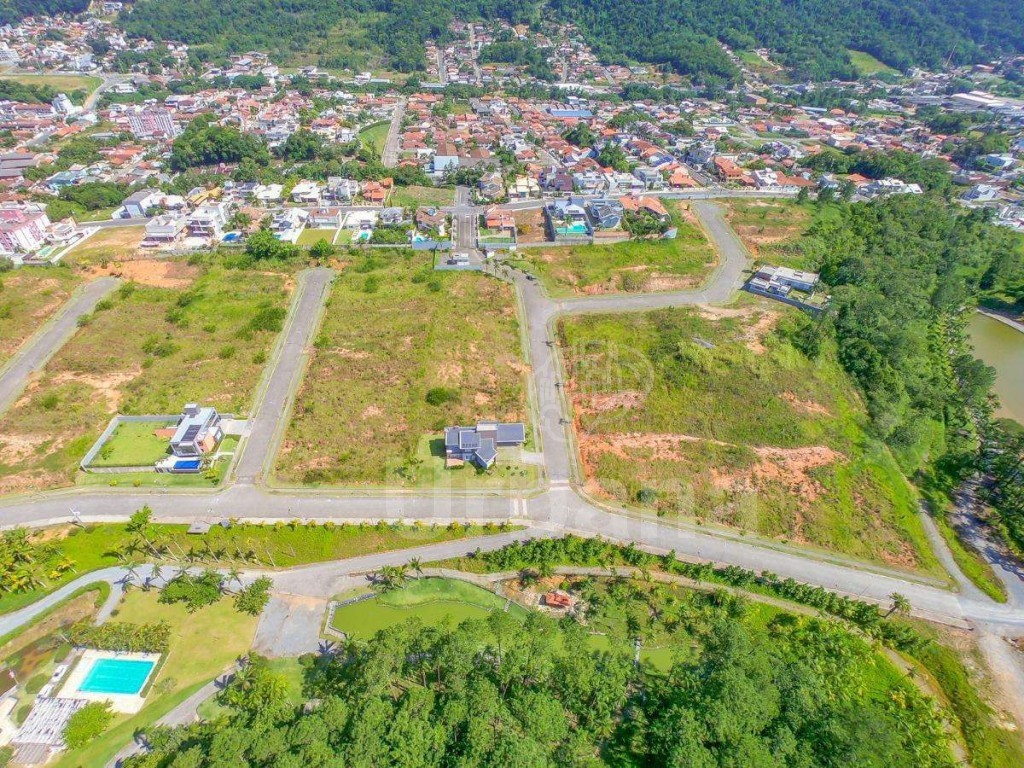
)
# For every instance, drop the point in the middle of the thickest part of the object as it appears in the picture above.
(480, 444)
(197, 432)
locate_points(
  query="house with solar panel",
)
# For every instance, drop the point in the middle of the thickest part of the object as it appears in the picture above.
(196, 435)
(479, 445)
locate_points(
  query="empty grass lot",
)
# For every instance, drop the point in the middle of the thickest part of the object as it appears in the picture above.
(770, 229)
(106, 245)
(415, 196)
(310, 237)
(633, 265)
(713, 415)
(376, 135)
(868, 65)
(393, 330)
(30, 296)
(146, 350)
(203, 645)
(65, 83)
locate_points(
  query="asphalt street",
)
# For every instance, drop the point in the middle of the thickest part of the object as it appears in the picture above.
(557, 508)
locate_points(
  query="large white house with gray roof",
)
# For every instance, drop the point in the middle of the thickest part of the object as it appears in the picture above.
(480, 444)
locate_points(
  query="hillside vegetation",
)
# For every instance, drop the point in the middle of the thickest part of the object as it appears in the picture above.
(811, 37)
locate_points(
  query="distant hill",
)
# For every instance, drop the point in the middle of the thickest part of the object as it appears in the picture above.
(809, 37)
(13, 11)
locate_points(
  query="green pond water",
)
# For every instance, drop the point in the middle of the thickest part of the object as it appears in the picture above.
(1002, 347)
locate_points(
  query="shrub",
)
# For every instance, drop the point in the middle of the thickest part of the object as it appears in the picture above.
(268, 319)
(122, 636)
(442, 395)
(35, 683)
(87, 723)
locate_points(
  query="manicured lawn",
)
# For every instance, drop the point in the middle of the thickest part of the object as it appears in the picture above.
(393, 330)
(312, 236)
(433, 601)
(281, 546)
(64, 83)
(414, 196)
(867, 64)
(29, 296)
(376, 135)
(146, 350)
(134, 444)
(633, 265)
(713, 415)
(203, 645)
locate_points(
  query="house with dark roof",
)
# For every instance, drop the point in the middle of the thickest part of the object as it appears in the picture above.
(479, 445)
(197, 432)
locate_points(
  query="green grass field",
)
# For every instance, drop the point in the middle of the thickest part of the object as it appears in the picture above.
(414, 196)
(633, 265)
(431, 600)
(427, 470)
(270, 546)
(133, 444)
(867, 64)
(715, 416)
(310, 237)
(393, 330)
(146, 350)
(376, 135)
(65, 83)
(203, 645)
(30, 296)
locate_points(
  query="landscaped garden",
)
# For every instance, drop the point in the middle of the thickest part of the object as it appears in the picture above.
(33, 564)
(713, 414)
(403, 352)
(29, 297)
(433, 601)
(684, 261)
(145, 350)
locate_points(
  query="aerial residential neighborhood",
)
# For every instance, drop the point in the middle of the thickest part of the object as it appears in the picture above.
(548, 383)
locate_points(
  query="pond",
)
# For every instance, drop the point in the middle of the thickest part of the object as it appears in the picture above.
(1002, 347)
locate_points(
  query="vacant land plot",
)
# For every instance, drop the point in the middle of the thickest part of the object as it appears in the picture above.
(769, 228)
(28, 298)
(867, 64)
(311, 237)
(65, 83)
(109, 244)
(146, 350)
(713, 414)
(633, 265)
(411, 197)
(376, 135)
(395, 330)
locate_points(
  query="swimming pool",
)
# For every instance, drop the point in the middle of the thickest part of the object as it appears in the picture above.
(124, 676)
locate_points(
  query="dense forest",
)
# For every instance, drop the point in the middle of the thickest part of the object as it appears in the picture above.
(748, 687)
(13, 11)
(809, 36)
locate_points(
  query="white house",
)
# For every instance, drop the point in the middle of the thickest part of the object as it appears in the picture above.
(138, 204)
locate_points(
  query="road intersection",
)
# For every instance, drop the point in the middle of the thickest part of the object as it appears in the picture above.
(558, 507)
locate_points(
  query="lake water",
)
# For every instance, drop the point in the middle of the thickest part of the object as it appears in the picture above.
(1002, 347)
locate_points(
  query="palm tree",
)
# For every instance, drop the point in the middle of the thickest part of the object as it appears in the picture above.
(234, 575)
(415, 566)
(900, 605)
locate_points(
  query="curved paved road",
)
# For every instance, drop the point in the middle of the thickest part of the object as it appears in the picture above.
(38, 350)
(559, 508)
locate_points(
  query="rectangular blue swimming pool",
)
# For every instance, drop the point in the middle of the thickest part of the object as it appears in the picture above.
(117, 676)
